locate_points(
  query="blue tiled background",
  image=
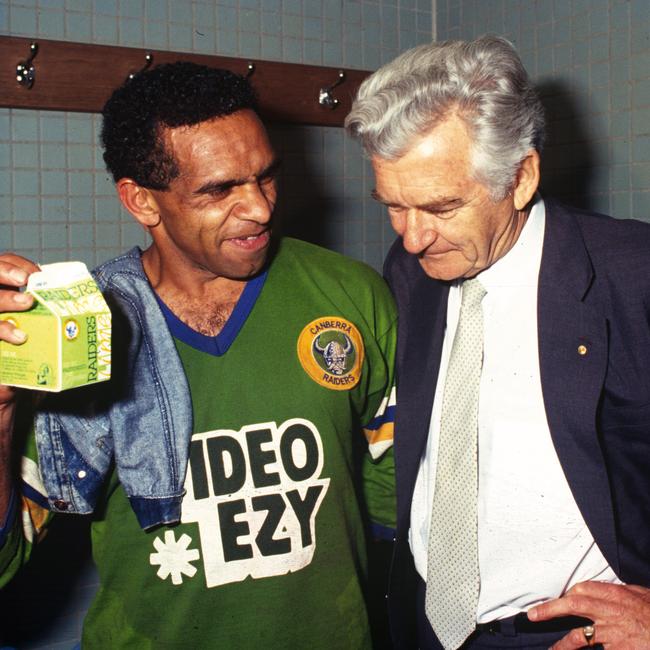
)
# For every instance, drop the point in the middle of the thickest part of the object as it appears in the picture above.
(591, 61)
(590, 58)
(56, 200)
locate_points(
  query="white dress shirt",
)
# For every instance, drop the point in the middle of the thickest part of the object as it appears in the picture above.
(533, 541)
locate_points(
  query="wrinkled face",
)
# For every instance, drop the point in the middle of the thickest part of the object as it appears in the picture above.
(444, 216)
(215, 217)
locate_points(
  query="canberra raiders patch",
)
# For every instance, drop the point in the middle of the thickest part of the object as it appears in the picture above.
(331, 352)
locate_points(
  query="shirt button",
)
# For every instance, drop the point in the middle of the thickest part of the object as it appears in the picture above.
(582, 350)
(60, 504)
(81, 473)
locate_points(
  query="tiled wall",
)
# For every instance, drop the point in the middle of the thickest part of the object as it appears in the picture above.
(57, 202)
(591, 61)
(56, 199)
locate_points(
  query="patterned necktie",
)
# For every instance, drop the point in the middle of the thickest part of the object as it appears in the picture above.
(453, 575)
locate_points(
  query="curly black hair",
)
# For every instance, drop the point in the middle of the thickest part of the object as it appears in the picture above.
(169, 95)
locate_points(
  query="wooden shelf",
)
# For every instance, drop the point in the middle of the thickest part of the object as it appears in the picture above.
(80, 77)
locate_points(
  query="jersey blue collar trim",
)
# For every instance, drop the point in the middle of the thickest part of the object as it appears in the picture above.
(216, 345)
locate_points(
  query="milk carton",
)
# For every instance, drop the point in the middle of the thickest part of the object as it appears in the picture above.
(68, 328)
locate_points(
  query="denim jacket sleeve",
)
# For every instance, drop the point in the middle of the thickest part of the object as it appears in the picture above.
(141, 419)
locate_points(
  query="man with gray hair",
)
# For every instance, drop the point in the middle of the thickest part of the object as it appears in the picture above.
(522, 441)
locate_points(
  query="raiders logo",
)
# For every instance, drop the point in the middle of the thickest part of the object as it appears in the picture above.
(331, 352)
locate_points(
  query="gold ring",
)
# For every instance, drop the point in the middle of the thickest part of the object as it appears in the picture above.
(590, 632)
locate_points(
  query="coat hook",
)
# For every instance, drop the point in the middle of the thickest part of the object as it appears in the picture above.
(25, 71)
(148, 58)
(325, 97)
(250, 69)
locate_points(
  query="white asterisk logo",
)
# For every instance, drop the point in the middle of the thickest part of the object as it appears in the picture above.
(174, 557)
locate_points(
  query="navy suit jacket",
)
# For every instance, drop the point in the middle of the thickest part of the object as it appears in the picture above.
(594, 291)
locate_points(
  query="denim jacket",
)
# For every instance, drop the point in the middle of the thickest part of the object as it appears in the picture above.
(141, 419)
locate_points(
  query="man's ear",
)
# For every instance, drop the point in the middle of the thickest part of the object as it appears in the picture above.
(527, 180)
(139, 201)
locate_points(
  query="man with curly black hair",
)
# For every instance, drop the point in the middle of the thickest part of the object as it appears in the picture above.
(167, 97)
(221, 459)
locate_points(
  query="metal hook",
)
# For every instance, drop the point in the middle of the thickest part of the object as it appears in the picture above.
(148, 58)
(251, 68)
(325, 97)
(25, 71)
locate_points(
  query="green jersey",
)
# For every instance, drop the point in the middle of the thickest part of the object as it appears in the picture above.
(271, 545)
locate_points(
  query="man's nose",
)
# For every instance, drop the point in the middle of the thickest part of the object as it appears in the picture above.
(256, 202)
(417, 233)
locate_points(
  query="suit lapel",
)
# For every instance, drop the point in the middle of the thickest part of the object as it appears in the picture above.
(423, 335)
(573, 363)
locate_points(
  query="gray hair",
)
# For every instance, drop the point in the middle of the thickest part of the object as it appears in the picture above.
(484, 80)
